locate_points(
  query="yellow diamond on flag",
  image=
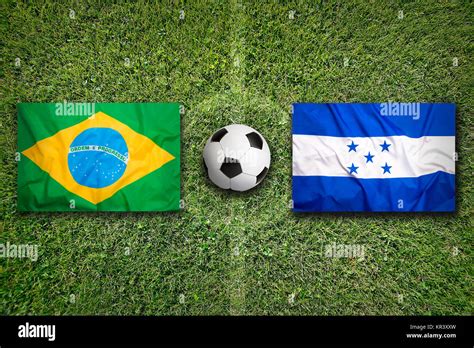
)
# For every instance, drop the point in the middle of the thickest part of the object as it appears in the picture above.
(53, 155)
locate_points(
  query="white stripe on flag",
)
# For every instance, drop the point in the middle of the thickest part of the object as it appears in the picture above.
(315, 155)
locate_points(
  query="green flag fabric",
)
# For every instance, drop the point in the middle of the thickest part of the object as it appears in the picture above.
(98, 156)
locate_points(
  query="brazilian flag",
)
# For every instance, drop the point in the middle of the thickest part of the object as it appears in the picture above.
(98, 157)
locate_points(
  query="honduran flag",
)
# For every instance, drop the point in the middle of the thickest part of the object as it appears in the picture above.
(392, 157)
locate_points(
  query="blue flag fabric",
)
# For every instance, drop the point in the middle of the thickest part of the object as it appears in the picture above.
(385, 157)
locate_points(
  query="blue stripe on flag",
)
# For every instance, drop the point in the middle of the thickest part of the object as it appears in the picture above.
(432, 192)
(366, 120)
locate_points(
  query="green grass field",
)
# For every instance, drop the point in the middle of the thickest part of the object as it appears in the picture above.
(237, 62)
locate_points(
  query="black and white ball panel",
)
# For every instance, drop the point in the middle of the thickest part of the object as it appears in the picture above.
(255, 140)
(262, 175)
(241, 129)
(243, 182)
(237, 157)
(213, 159)
(219, 178)
(235, 145)
(217, 136)
(231, 167)
(255, 160)
(213, 155)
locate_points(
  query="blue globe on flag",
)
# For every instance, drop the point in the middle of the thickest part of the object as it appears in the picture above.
(98, 157)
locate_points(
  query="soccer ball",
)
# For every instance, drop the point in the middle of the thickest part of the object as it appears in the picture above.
(236, 157)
